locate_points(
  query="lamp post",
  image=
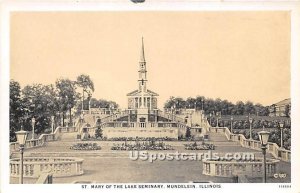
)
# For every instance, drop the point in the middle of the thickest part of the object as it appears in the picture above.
(81, 122)
(52, 123)
(281, 124)
(217, 119)
(90, 106)
(33, 124)
(264, 137)
(231, 120)
(250, 122)
(21, 138)
(62, 121)
(173, 112)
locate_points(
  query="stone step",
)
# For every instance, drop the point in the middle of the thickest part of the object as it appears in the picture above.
(90, 119)
(217, 137)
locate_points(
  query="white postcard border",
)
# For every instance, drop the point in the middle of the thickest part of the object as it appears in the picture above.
(8, 7)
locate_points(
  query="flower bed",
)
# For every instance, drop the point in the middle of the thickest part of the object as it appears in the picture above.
(141, 139)
(85, 146)
(146, 145)
(203, 146)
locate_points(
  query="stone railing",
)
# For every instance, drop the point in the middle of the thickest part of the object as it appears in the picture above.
(14, 146)
(233, 168)
(113, 117)
(205, 124)
(273, 148)
(68, 129)
(170, 116)
(121, 124)
(35, 166)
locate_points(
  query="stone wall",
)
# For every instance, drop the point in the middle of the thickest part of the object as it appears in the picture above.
(140, 132)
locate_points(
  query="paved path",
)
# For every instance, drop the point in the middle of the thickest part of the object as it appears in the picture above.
(107, 166)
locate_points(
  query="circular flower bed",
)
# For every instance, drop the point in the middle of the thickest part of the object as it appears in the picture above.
(85, 146)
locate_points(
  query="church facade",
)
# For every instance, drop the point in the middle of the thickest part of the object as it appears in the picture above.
(142, 118)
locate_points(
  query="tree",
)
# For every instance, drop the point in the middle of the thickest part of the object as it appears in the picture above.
(103, 103)
(94, 103)
(249, 108)
(287, 110)
(199, 102)
(240, 108)
(66, 90)
(190, 102)
(98, 133)
(39, 102)
(15, 108)
(170, 103)
(177, 103)
(211, 106)
(188, 133)
(86, 84)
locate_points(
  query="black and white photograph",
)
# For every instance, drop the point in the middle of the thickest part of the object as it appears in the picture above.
(149, 99)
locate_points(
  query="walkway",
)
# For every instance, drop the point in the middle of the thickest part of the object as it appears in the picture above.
(105, 165)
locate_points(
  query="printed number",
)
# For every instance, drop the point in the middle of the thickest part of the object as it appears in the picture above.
(285, 186)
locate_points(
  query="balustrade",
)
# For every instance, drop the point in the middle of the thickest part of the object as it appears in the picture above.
(14, 146)
(59, 167)
(231, 168)
(143, 125)
(272, 148)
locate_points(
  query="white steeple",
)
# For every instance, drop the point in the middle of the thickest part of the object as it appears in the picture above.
(142, 70)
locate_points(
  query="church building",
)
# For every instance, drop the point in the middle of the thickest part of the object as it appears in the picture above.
(142, 101)
(142, 97)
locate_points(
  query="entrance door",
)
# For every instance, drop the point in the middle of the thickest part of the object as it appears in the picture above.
(142, 122)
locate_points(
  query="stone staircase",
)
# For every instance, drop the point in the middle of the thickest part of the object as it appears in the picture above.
(219, 139)
(68, 137)
(222, 143)
(90, 119)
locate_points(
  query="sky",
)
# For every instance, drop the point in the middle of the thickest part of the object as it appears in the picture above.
(228, 55)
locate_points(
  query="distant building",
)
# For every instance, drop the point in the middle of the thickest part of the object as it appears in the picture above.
(281, 109)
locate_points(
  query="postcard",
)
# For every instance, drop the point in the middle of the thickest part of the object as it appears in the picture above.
(149, 96)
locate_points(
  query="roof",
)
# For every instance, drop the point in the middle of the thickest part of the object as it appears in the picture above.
(284, 102)
(137, 92)
(142, 56)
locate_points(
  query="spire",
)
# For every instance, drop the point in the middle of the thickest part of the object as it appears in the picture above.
(142, 57)
(142, 70)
